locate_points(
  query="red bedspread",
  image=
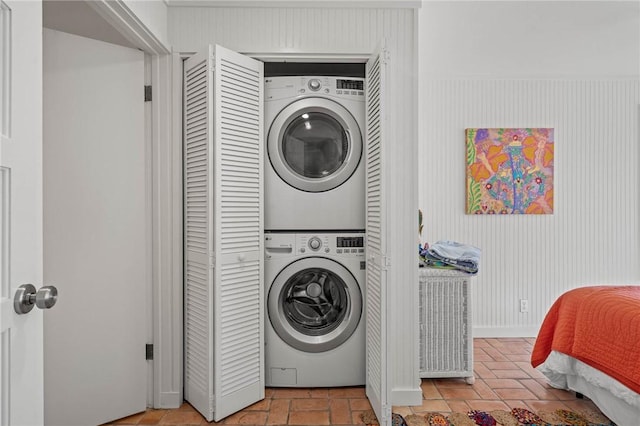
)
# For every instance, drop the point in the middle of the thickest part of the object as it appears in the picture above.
(600, 326)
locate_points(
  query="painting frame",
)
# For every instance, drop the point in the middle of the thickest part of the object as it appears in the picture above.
(509, 170)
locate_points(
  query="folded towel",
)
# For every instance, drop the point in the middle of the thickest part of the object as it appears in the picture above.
(461, 256)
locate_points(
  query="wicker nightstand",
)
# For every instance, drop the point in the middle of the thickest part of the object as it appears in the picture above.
(446, 341)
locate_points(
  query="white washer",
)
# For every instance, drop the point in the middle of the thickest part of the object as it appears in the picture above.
(314, 171)
(314, 330)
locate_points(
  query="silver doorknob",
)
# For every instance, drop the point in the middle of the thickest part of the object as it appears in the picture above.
(27, 297)
(46, 297)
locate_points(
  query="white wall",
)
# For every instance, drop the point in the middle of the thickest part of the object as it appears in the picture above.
(573, 66)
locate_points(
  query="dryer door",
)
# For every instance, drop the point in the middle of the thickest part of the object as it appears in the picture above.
(315, 304)
(314, 144)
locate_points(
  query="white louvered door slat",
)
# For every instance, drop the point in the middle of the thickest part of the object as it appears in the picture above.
(377, 387)
(224, 308)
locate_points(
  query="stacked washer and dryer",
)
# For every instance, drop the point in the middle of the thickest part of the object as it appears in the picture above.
(314, 231)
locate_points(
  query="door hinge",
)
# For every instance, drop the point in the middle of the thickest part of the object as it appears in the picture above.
(212, 260)
(385, 56)
(147, 93)
(386, 412)
(149, 352)
(212, 405)
(386, 262)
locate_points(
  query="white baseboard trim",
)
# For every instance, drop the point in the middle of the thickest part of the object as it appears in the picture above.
(169, 400)
(406, 397)
(511, 331)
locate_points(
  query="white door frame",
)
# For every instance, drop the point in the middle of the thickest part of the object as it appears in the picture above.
(168, 285)
(168, 328)
(165, 159)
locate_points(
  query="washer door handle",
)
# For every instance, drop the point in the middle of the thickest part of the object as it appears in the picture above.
(349, 138)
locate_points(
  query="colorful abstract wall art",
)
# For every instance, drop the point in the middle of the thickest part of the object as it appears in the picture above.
(509, 171)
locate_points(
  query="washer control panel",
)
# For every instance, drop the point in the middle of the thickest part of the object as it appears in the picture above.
(343, 244)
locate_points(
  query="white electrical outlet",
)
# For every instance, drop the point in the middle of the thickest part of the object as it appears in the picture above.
(524, 305)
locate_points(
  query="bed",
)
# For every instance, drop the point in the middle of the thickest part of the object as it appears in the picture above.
(589, 342)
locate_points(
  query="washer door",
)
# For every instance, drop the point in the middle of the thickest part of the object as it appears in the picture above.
(314, 144)
(315, 304)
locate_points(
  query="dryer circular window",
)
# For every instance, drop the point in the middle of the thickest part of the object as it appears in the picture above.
(314, 144)
(314, 304)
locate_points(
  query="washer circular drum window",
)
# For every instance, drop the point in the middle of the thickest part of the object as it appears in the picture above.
(314, 144)
(315, 304)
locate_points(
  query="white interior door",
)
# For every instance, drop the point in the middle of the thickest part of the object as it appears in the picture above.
(377, 385)
(21, 353)
(96, 230)
(224, 292)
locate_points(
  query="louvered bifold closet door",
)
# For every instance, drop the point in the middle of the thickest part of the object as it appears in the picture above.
(198, 232)
(225, 372)
(238, 297)
(377, 387)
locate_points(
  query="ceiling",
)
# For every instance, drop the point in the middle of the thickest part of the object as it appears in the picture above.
(79, 18)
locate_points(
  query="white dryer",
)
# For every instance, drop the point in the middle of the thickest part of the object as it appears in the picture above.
(314, 171)
(314, 330)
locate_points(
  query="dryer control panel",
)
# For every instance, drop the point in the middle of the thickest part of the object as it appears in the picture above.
(286, 87)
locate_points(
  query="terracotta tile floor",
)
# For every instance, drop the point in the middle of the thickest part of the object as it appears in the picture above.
(504, 380)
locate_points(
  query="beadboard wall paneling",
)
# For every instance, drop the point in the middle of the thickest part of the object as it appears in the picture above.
(593, 235)
(530, 39)
(353, 34)
(287, 30)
